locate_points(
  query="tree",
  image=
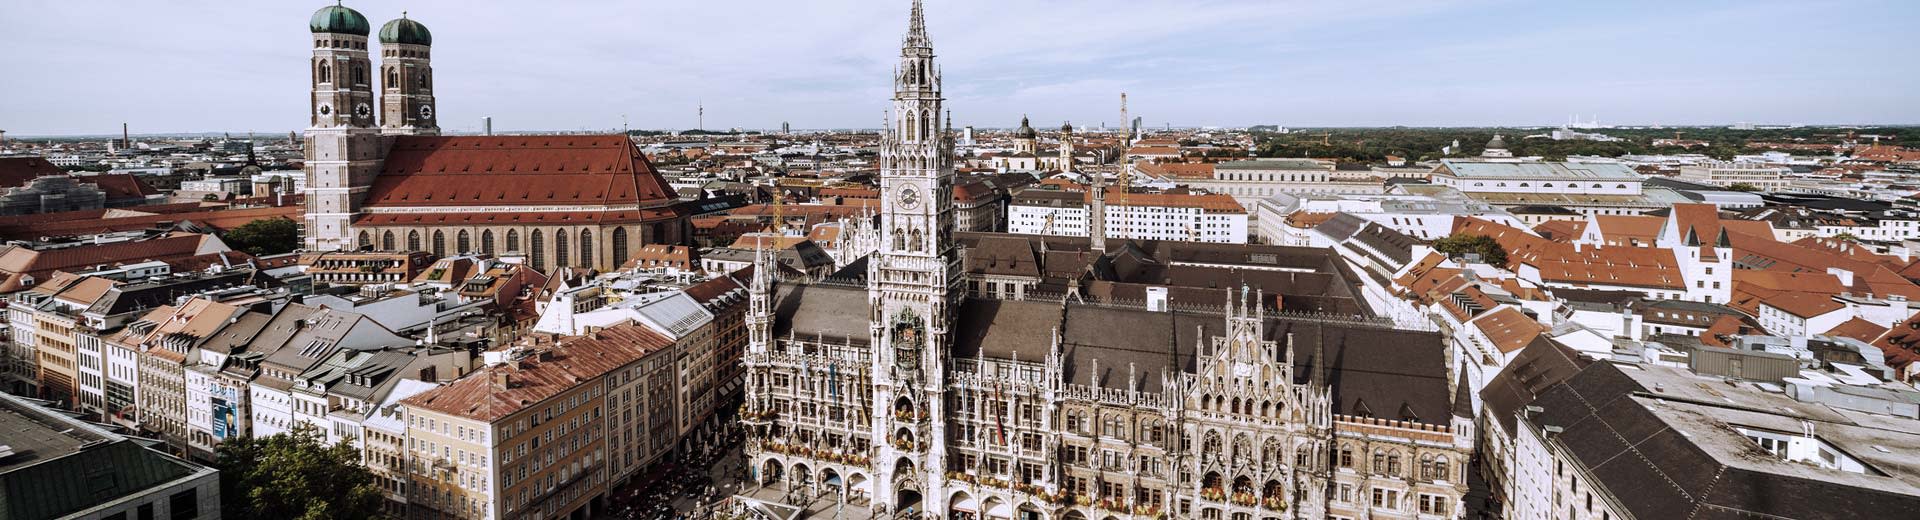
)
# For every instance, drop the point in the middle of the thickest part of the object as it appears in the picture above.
(1462, 244)
(1846, 237)
(267, 236)
(295, 476)
(1743, 186)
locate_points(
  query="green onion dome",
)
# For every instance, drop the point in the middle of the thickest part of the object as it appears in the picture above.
(339, 19)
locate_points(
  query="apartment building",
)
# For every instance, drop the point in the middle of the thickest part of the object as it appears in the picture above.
(1141, 216)
(530, 435)
(1696, 442)
(359, 268)
(1724, 174)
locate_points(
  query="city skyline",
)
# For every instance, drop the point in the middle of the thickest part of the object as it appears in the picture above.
(757, 66)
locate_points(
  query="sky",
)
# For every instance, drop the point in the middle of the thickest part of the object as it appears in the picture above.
(85, 66)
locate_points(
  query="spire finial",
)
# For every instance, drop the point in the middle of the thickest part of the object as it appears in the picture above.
(917, 28)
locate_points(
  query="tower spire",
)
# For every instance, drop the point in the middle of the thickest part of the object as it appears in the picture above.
(917, 28)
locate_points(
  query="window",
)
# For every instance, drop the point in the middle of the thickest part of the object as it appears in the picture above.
(586, 248)
(619, 246)
(184, 505)
(536, 249)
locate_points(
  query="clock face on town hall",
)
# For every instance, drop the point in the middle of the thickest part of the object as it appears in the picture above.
(909, 197)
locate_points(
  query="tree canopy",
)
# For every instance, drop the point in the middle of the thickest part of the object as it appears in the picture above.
(1420, 144)
(295, 476)
(1458, 245)
(267, 236)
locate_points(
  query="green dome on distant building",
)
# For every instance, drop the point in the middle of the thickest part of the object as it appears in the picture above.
(405, 30)
(338, 19)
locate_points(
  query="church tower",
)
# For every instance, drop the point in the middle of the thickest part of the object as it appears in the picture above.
(1066, 147)
(913, 281)
(406, 72)
(343, 148)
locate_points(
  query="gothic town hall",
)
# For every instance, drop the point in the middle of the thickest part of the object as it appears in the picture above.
(1036, 378)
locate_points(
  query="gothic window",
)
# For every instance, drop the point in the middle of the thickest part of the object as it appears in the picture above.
(560, 249)
(386, 241)
(413, 240)
(365, 241)
(326, 73)
(1440, 469)
(425, 74)
(1346, 456)
(393, 77)
(1426, 467)
(1242, 448)
(513, 240)
(486, 241)
(439, 243)
(619, 246)
(1393, 463)
(899, 239)
(537, 250)
(359, 75)
(586, 248)
(463, 242)
(918, 245)
(1379, 461)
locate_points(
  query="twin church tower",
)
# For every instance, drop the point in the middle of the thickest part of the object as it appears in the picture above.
(344, 138)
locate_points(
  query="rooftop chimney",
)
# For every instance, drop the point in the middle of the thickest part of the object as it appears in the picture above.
(1845, 276)
(502, 380)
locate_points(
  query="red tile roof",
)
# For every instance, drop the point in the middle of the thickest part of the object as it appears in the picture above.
(87, 222)
(1176, 170)
(574, 361)
(528, 217)
(1509, 329)
(120, 185)
(516, 170)
(1631, 230)
(18, 171)
(1561, 230)
(1773, 255)
(1588, 266)
(1804, 305)
(1863, 330)
(17, 262)
(1901, 343)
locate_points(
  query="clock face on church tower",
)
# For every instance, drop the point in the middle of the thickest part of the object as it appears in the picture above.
(909, 197)
(426, 111)
(362, 110)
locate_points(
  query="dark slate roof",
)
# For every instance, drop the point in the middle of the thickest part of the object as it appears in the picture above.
(1396, 245)
(1341, 226)
(61, 466)
(1541, 364)
(831, 311)
(1668, 451)
(1370, 368)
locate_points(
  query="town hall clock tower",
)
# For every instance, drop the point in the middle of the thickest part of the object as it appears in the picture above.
(914, 282)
